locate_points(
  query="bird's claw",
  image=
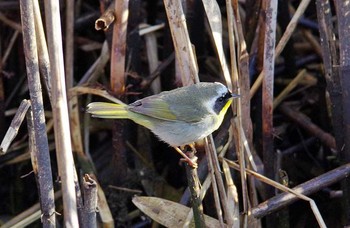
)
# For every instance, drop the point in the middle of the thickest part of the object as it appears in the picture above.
(191, 162)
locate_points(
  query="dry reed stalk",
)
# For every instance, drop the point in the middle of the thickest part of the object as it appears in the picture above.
(267, 98)
(41, 143)
(187, 65)
(74, 107)
(14, 126)
(194, 186)
(79, 90)
(9, 48)
(330, 60)
(296, 193)
(307, 188)
(239, 73)
(118, 49)
(183, 48)
(153, 60)
(60, 111)
(97, 68)
(10, 23)
(267, 93)
(43, 54)
(283, 41)
(213, 13)
(90, 202)
(343, 9)
(289, 88)
(69, 47)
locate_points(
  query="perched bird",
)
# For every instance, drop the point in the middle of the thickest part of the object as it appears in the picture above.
(178, 117)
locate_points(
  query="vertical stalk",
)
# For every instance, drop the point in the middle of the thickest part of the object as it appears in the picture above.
(60, 113)
(118, 49)
(193, 185)
(69, 50)
(42, 147)
(343, 8)
(267, 95)
(117, 82)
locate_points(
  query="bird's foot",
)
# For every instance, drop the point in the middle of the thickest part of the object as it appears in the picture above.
(190, 161)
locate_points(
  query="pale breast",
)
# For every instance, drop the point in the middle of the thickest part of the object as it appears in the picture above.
(181, 133)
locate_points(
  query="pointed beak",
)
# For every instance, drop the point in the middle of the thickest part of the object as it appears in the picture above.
(235, 95)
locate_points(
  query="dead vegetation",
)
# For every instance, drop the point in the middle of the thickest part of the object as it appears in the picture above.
(280, 159)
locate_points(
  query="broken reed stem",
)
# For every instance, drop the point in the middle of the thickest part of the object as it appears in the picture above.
(60, 111)
(14, 126)
(90, 202)
(42, 147)
(106, 18)
(193, 185)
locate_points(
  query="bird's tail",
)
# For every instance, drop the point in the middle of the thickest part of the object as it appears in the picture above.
(107, 110)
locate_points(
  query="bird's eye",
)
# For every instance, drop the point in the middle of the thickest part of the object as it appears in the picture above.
(221, 99)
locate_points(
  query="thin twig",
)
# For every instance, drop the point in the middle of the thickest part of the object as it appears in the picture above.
(10, 23)
(9, 48)
(289, 88)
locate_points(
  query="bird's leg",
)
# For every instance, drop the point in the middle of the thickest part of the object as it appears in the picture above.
(191, 162)
(193, 147)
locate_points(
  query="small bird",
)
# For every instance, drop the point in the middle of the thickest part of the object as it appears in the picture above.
(178, 117)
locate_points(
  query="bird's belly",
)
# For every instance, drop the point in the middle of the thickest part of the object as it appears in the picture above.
(179, 133)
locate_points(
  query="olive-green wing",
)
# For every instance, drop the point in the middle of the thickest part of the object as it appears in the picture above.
(156, 108)
(171, 107)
